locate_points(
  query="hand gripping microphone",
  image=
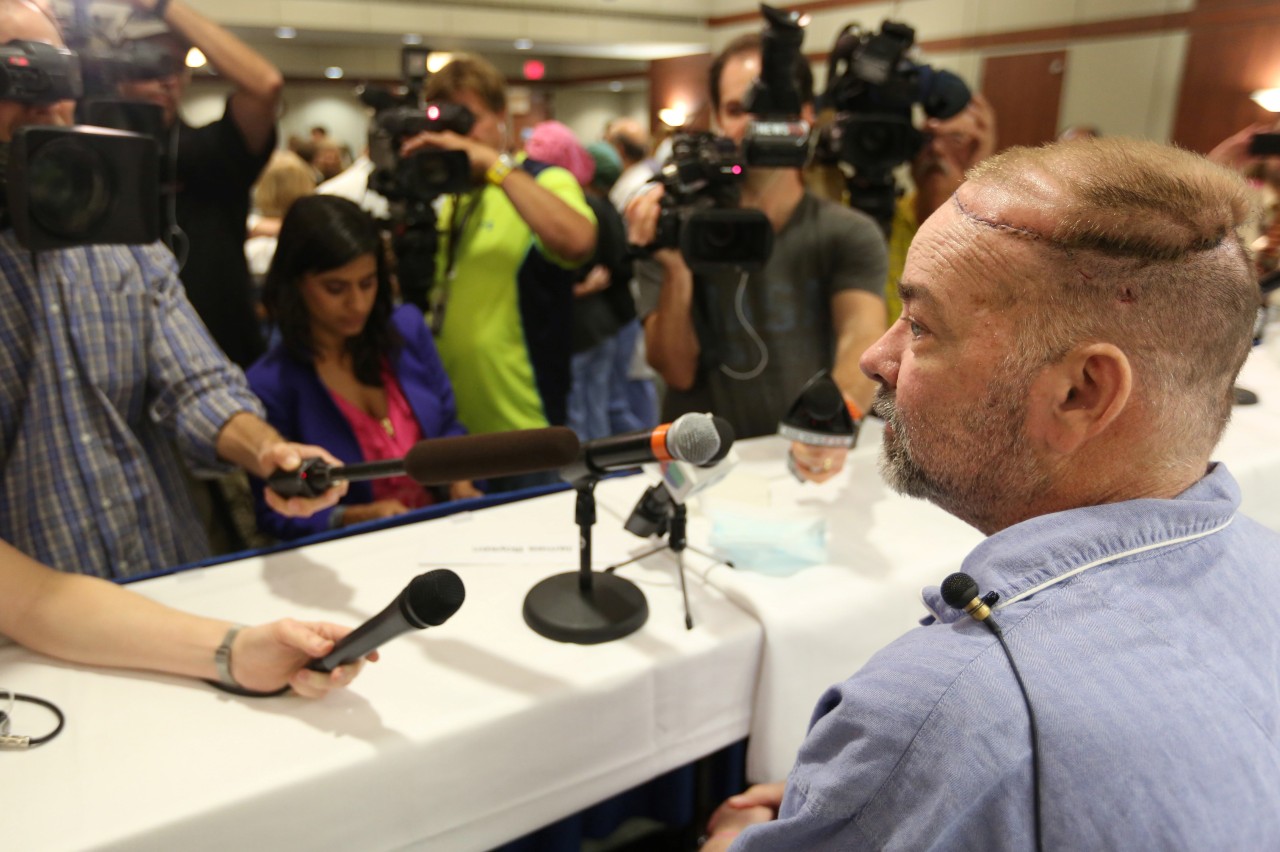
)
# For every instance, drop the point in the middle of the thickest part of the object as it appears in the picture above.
(439, 461)
(692, 438)
(428, 601)
(961, 592)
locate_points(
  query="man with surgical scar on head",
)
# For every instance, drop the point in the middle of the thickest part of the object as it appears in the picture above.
(1074, 319)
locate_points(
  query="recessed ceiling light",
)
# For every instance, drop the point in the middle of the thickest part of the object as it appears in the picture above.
(523, 44)
(615, 86)
(333, 72)
(411, 39)
(286, 32)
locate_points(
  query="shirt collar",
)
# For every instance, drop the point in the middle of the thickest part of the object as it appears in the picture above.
(1037, 553)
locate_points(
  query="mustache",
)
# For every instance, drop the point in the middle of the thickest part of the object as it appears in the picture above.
(885, 405)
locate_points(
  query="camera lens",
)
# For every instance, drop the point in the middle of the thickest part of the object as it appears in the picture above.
(69, 188)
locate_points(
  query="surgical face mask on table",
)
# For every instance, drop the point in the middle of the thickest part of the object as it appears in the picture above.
(762, 542)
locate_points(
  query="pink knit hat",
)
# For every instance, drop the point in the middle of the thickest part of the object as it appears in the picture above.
(553, 143)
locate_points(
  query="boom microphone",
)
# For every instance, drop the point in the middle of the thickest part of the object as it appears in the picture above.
(693, 438)
(439, 461)
(428, 601)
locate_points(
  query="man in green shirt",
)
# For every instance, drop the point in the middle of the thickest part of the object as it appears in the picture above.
(504, 292)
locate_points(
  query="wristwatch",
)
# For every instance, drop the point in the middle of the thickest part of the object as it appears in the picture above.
(501, 167)
(222, 658)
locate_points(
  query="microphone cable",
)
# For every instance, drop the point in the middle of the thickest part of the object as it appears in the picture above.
(21, 742)
(750, 330)
(960, 591)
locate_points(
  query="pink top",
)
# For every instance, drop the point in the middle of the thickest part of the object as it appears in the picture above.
(387, 439)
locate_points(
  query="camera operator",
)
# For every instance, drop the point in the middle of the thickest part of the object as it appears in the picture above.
(743, 345)
(504, 301)
(216, 165)
(109, 383)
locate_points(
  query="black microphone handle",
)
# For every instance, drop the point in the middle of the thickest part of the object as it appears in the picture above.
(364, 471)
(314, 475)
(383, 627)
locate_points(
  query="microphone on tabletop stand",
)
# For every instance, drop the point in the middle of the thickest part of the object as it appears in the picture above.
(661, 510)
(820, 417)
(439, 461)
(585, 607)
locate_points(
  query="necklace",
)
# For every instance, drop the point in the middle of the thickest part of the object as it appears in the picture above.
(388, 427)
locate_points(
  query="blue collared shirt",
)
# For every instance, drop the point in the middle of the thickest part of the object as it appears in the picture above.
(1146, 633)
(107, 379)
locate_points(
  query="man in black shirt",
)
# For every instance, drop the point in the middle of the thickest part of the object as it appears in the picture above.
(215, 168)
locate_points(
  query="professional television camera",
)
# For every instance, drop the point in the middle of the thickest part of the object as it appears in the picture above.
(412, 184)
(873, 86)
(67, 186)
(777, 135)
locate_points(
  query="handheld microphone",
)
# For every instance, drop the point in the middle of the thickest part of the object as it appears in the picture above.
(439, 461)
(960, 591)
(693, 438)
(428, 601)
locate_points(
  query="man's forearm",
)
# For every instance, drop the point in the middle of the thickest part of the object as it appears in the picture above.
(564, 231)
(243, 439)
(258, 83)
(669, 336)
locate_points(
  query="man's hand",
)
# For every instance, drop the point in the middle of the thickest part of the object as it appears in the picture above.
(1233, 152)
(283, 455)
(759, 803)
(817, 464)
(597, 281)
(269, 656)
(642, 215)
(480, 155)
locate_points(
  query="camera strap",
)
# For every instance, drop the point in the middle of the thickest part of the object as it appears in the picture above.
(457, 227)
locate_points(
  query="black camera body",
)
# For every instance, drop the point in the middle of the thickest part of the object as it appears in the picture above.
(873, 87)
(424, 175)
(69, 186)
(699, 212)
(37, 73)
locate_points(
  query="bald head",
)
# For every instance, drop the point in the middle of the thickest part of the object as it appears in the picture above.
(628, 138)
(1135, 244)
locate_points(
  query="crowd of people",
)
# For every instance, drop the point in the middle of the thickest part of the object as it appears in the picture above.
(1050, 335)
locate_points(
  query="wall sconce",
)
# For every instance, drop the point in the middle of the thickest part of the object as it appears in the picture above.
(1268, 99)
(673, 116)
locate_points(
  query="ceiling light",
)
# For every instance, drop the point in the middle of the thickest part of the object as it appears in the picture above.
(286, 32)
(615, 86)
(196, 59)
(333, 72)
(673, 116)
(1268, 99)
(411, 39)
(436, 61)
(523, 44)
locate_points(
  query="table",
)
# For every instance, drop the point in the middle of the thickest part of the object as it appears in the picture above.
(464, 736)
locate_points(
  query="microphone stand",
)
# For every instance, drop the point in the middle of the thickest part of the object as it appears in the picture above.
(585, 607)
(675, 526)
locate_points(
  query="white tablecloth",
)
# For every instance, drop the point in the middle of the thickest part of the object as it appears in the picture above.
(462, 737)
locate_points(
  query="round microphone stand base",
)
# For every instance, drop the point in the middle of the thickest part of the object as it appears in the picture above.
(560, 609)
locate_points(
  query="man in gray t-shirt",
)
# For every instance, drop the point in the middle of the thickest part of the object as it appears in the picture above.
(743, 347)
(823, 253)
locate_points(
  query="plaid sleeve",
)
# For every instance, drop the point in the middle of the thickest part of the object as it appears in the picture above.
(193, 388)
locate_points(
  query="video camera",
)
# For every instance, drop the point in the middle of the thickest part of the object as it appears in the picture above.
(777, 136)
(68, 186)
(873, 86)
(699, 209)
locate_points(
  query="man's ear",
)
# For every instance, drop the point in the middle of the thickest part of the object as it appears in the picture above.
(1080, 396)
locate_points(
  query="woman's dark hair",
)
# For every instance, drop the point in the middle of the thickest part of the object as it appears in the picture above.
(320, 233)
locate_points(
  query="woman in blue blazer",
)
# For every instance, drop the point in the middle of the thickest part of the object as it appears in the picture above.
(350, 372)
